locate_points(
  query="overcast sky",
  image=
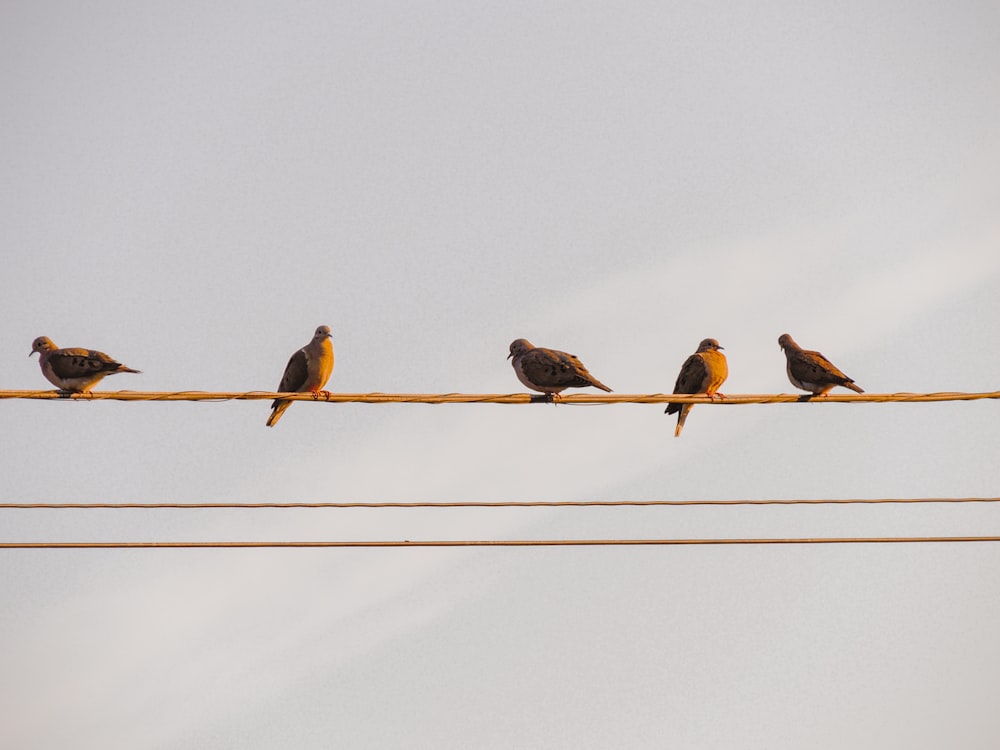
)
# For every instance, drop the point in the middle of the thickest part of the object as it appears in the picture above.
(194, 187)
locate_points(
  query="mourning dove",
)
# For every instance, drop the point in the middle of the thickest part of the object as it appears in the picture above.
(74, 370)
(549, 371)
(811, 371)
(307, 370)
(703, 372)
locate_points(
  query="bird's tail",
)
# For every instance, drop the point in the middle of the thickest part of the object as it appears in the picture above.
(598, 384)
(123, 368)
(277, 409)
(681, 418)
(850, 384)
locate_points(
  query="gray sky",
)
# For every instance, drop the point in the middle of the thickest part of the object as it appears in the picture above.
(194, 187)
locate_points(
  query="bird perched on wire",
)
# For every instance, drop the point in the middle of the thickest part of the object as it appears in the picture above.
(74, 370)
(811, 371)
(549, 371)
(307, 370)
(703, 372)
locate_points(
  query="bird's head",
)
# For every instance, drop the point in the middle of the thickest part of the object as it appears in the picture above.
(519, 347)
(42, 344)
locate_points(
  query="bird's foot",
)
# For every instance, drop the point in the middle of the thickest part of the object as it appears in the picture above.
(543, 398)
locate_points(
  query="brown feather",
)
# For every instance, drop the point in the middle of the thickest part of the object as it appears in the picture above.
(550, 370)
(308, 369)
(811, 371)
(78, 363)
(703, 372)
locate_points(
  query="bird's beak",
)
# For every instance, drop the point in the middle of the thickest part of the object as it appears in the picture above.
(31, 352)
(510, 355)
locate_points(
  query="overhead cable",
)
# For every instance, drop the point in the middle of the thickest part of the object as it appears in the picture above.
(496, 542)
(491, 504)
(500, 398)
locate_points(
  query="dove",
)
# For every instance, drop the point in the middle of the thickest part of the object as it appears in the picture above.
(549, 371)
(703, 372)
(74, 370)
(307, 370)
(811, 371)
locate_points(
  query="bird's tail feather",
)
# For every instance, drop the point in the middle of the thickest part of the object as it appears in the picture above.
(681, 418)
(278, 408)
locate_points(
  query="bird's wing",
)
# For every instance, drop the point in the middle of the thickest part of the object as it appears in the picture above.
(296, 373)
(813, 367)
(78, 363)
(694, 375)
(545, 367)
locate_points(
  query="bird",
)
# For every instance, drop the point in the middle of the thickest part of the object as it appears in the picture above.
(307, 370)
(74, 370)
(703, 372)
(549, 371)
(811, 371)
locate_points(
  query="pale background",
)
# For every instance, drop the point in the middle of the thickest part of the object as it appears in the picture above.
(193, 187)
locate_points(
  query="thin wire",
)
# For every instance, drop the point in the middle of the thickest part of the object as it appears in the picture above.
(497, 543)
(499, 398)
(498, 504)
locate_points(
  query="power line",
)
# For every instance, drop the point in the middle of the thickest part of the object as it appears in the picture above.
(498, 543)
(498, 398)
(497, 504)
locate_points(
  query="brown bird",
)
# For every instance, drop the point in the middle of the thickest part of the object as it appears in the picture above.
(703, 372)
(549, 371)
(74, 370)
(811, 371)
(308, 370)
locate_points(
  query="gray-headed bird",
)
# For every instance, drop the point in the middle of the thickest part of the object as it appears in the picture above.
(308, 370)
(74, 370)
(811, 371)
(549, 371)
(703, 372)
